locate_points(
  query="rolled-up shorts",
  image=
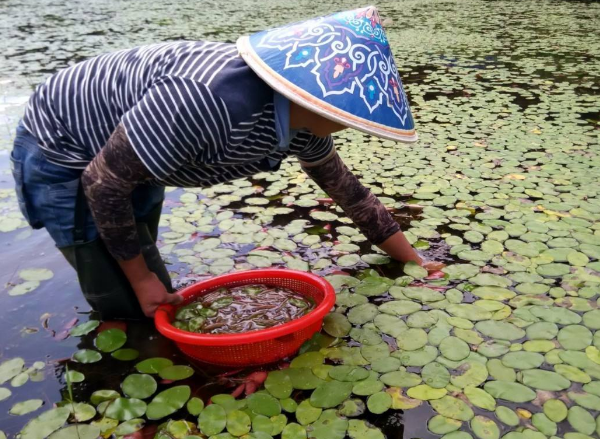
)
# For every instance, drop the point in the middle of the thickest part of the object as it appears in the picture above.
(47, 194)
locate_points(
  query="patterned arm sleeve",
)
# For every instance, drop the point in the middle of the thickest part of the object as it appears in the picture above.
(108, 182)
(358, 202)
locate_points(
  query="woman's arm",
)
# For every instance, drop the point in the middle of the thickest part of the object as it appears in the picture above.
(362, 207)
(108, 182)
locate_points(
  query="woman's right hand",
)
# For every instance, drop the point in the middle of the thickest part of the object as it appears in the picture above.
(151, 293)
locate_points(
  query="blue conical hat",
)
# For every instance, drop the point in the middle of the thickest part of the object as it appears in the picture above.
(340, 66)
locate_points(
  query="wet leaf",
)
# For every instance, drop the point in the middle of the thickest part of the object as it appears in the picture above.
(508, 391)
(176, 373)
(545, 380)
(125, 354)
(10, 369)
(264, 404)
(168, 402)
(129, 427)
(110, 340)
(87, 356)
(238, 423)
(80, 431)
(25, 407)
(336, 325)
(441, 425)
(484, 428)
(84, 328)
(480, 398)
(330, 394)
(425, 392)
(507, 416)
(306, 413)
(581, 420)
(279, 384)
(453, 348)
(328, 426)
(45, 424)
(212, 420)
(73, 376)
(139, 386)
(153, 365)
(124, 409)
(452, 408)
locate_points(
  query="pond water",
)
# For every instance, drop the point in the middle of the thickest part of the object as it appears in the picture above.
(503, 186)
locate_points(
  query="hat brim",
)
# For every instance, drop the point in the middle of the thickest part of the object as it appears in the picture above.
(310, 102)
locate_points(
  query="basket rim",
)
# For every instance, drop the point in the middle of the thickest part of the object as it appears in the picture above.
(162, 315)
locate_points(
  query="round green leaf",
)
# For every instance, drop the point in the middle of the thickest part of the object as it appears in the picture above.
(139, 386)
(110, 340)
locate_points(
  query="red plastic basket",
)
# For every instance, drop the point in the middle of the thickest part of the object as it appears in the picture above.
(255, 347)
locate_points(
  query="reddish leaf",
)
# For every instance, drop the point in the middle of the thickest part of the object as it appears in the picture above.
(112, 324)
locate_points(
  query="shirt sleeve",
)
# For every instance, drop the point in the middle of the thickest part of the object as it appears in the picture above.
(317, 150)
(178, 120)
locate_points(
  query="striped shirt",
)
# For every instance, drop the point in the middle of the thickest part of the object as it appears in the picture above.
(194, 112)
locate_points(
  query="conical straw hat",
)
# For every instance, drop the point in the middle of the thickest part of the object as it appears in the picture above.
(340, 66)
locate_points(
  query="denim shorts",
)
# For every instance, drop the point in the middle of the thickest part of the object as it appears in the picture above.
(47, 192)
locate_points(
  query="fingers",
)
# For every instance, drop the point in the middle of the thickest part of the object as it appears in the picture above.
(174, 299)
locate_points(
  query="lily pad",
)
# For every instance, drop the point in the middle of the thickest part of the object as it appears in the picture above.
(139, 386)
(153, 365)
(10, 369)
(485, 428)
(452, 408)
(110, 340)
(45, 424)
(168, 402)
(453, 348)
(80, 431)
(25, 407)
(508, 391)
(330, 394)
(176, 373)
(212, 420)
(84, 328)
(87, 356)
(124, 409)
(125, 354)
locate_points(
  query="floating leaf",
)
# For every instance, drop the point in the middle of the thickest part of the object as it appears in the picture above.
(125, 354)
(168, 402)
(36, 274)
(575, 337)
(125, 409)
(279, 384)
(441, 425)
(545, 380)
(73, 376)
(153, 365)
(507, 416)
(87, 356)
(293, 431)
(328, 426)
(471, 373)
(330, 394)
(25, 407)
(175, 373)
(425, 392)
(379, 403)
(10, 369)
(212, 420)
(306, 413)
(110, 340)
(336, 325)
(453, 348)
(435, 375)
(84, 328)
(139, 386)
(452, 408)
(485, 428)
(523, 360)
(45, 424)
(129, 427)
(513, 392)
(415, 270)
(544, 424)
(480, 398)
(80, 431)
(581, 420)
(264, 404)
(555, 410)
(238, 423)
(500, 330)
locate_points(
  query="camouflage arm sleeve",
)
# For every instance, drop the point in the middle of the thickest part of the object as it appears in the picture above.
(358, 202)
(108, 182)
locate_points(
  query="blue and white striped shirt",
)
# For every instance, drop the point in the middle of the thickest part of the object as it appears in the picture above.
(194, 112)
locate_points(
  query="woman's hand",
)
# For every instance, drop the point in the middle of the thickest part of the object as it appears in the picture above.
(432, 266)
(151, 293)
